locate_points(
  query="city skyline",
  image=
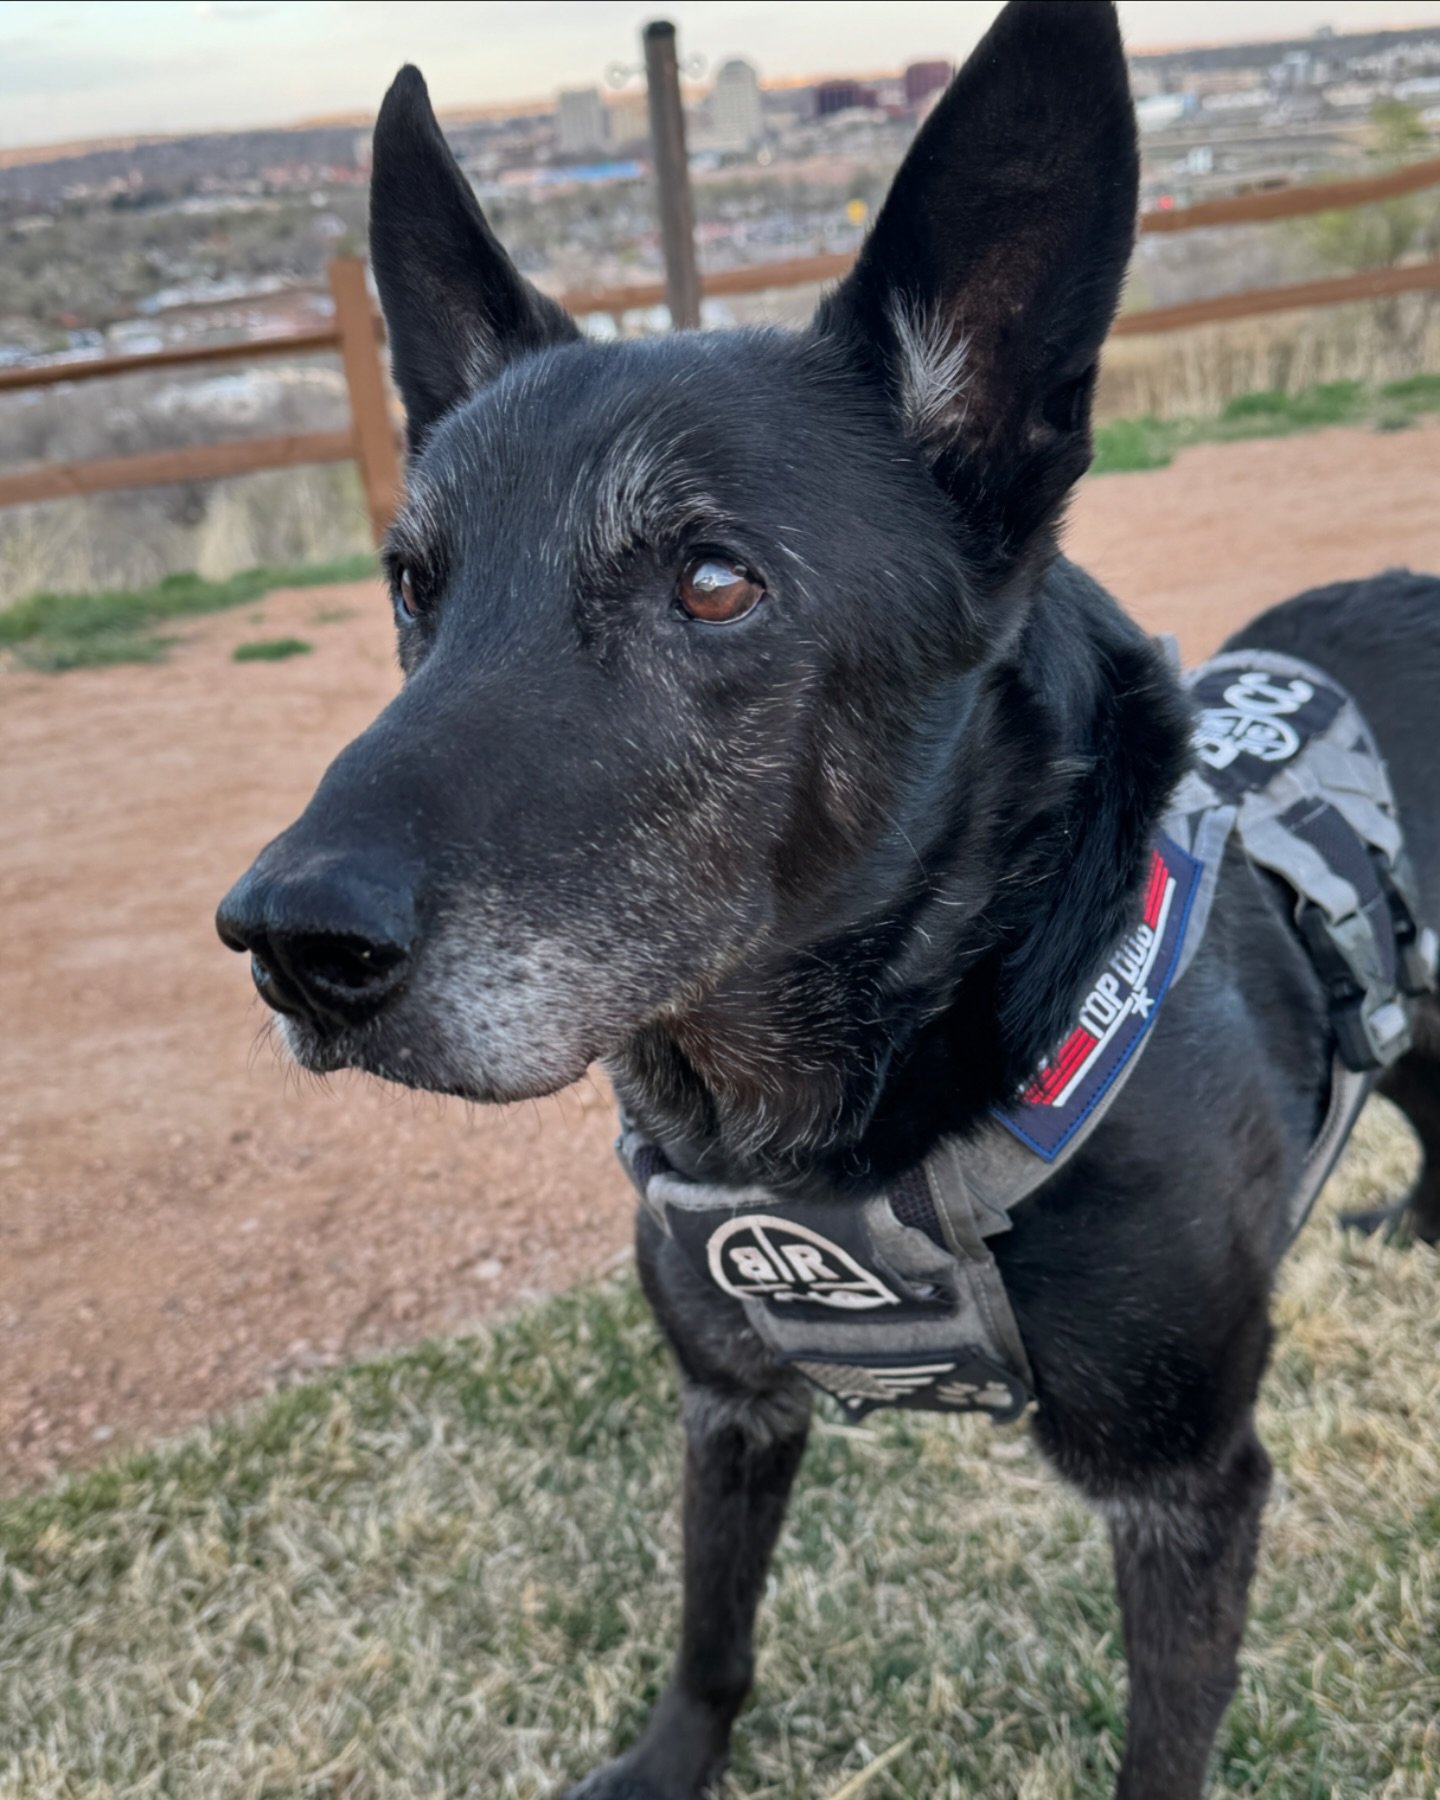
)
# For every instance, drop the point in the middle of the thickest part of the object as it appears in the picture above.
(74, 70)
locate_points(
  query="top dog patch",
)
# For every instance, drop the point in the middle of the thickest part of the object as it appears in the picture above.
(1114, 1016)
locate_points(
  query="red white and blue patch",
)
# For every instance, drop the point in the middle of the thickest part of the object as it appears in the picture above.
(1115, 1015)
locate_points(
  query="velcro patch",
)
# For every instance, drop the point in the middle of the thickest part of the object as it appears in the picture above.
(1114, 1016)
(961, 1380)
(1250, 720)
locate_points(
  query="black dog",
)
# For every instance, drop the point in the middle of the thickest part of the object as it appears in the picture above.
(757, 741)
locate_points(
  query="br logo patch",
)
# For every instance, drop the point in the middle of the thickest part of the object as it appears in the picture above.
(761, 1257)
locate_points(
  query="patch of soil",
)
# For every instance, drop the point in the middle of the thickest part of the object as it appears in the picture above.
(184, 1222)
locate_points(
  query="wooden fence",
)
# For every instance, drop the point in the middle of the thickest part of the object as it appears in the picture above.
(356, 335)
(370, 441)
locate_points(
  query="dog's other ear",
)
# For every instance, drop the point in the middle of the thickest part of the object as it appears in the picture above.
(983, 293)
(456, 308)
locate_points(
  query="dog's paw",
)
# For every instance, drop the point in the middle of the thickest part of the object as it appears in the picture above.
(614, 1782)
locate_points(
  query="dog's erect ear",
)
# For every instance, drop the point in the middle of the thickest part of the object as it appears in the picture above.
(456, 308)
(983, 293)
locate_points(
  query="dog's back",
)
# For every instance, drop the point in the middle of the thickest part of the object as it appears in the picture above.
(1381, 639)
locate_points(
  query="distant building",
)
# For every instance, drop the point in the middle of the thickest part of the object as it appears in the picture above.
(581, 127)
(925, 78)
(1158, 112)
(630, 119)
(737, 119)
(841, 96)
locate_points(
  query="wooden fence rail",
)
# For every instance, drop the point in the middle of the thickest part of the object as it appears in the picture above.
(97, 368)
(158, 468)
(1296, 202)
(356, 336)
(370, 440)
(1244, 209)
(1369, 284)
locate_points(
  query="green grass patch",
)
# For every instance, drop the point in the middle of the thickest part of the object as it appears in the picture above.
(1420, 391)
(54, 655)
(1274, 413)
(455, 1571)
(270, 650)
(66, 631)
(1126, 445)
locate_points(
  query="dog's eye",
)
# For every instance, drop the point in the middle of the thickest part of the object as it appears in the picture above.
(717, 591)
(405, 594)
(407, 606)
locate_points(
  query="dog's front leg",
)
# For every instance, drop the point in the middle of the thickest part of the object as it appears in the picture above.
(746, 1420)
(1183, 1564)
(741, 1456)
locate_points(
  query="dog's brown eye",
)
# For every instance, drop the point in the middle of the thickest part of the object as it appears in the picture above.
(717, 591)
(405, 593)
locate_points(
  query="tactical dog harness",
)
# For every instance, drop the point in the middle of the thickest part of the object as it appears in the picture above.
(898, 1300)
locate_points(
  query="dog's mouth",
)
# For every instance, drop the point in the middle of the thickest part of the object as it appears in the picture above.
(425, 1062)
(489, 1044)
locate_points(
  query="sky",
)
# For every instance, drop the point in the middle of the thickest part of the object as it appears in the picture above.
(72, 69)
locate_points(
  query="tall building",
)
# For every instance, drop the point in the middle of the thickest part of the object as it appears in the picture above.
(737, 119)
(629, 119)
(923, 78)
(581, 126)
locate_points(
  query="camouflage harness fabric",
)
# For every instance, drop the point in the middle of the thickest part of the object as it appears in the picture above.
(897, 1300)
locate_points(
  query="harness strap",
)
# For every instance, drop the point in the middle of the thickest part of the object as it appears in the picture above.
(1352, 783)
(1269, 843)
(1349, 1090)
(969, 1216)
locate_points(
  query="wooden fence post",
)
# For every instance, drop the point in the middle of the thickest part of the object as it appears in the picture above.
(369, 406)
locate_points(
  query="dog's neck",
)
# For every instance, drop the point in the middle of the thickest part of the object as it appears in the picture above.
(840, 1059)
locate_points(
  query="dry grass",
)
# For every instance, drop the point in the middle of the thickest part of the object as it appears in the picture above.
(454, 1572)
(218, 529)
(1198, 373)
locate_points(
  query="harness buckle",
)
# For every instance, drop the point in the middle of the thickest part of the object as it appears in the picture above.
(1371, 1027)
(1416, 947)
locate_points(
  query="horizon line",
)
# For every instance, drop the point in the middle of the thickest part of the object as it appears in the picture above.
(19, 155)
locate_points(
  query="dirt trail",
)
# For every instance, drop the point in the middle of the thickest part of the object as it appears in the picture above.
(182, 1223)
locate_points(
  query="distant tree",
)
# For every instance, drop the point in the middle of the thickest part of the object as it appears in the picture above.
(1392, 231)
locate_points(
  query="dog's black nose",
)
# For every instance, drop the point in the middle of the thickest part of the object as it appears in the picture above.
(328, 942)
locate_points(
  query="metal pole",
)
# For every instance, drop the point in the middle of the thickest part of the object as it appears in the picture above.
(672, 175)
